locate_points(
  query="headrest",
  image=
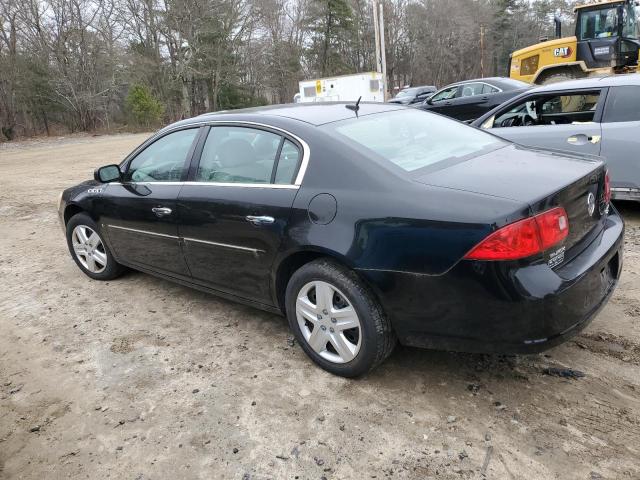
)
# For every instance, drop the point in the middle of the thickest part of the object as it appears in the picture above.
(236, 152)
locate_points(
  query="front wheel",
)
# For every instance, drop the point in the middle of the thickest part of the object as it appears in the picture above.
(336, 320)
(89, 250)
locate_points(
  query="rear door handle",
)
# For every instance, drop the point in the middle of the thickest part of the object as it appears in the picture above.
(260, 220)
(161, 211)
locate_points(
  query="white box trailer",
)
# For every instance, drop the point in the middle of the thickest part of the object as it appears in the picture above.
(344, 88)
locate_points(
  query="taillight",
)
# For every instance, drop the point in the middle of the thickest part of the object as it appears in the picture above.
(523, 238)
(607, 188)
(554, 227)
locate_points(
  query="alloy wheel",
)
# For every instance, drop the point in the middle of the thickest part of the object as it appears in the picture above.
(88, 248)
(328, 322)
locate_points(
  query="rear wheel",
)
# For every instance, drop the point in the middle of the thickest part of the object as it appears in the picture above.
(336, 320)
(89, 250)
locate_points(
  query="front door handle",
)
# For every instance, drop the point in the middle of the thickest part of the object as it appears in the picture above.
(260, 220)
(161, 211)
(582, 139)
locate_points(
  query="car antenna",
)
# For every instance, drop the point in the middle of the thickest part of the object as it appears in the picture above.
(355, 107)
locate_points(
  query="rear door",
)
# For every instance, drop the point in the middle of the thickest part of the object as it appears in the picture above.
(236, 206)
(141, 213)
(620, 136)
(562, 120)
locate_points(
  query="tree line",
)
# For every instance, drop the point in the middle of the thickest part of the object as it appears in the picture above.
(84, 65)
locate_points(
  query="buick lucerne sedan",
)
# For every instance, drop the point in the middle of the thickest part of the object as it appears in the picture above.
(364, 225)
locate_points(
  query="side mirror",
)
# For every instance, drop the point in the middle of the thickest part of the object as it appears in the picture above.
(108, 173)
(429, 101)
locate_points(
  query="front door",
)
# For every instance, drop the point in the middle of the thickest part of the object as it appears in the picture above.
(236, 209)
(141, 213)
(562, 121)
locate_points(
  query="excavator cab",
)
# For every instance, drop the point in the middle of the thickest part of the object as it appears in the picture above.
(607, 35)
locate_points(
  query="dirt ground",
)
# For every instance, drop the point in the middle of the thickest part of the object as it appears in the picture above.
(143, 379)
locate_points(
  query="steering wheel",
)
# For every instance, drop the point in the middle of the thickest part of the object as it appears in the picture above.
(509, 122)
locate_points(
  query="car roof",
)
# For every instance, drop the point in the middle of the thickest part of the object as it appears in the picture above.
(316, 114)
(594, 82)
(502, 82)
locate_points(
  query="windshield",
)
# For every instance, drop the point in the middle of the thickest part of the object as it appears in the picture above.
(603, 23)
(413, 139)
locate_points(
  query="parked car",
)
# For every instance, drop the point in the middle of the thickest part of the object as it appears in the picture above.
(468, 100)
(599, 116)
(362, 224)
(411, 95)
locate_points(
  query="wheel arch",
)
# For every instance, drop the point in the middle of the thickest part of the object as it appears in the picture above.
(579, 67)
(293, 261)
(70, 210)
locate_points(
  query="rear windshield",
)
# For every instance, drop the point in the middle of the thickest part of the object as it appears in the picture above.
(413, 139)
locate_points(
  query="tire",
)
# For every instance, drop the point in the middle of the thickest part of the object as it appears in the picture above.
(97, 261)
(561, 76)
(569, 104)
(347, 352)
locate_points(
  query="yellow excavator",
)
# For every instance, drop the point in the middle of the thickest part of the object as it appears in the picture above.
(606, 42)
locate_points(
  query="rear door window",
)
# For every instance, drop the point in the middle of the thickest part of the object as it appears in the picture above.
(238, 154)
(623, 105)
(472, 89)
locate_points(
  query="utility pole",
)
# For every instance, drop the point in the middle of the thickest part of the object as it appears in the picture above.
(376, 29)
(482, 50)
(381, 55)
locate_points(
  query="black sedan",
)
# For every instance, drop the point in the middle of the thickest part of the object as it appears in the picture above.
(471, 99)
(411, 95)
(363, 225)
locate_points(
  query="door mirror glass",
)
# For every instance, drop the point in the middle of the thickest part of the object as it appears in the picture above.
(108, 173)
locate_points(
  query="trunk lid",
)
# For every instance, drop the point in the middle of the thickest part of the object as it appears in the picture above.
(541, 178)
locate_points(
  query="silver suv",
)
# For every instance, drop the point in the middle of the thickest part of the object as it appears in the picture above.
(598, 116)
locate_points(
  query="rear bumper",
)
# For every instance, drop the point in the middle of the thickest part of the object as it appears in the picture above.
(625, 193)
(493, 307)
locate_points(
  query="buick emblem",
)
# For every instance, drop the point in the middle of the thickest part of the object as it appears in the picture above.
(591, 204)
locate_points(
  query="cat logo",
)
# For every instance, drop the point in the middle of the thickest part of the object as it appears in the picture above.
(562, 52)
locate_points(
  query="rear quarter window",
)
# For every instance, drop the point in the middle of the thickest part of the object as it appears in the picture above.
(623, 105)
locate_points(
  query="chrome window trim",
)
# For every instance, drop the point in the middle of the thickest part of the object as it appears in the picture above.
(144, 232)
(226, 245)
(301, 171)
